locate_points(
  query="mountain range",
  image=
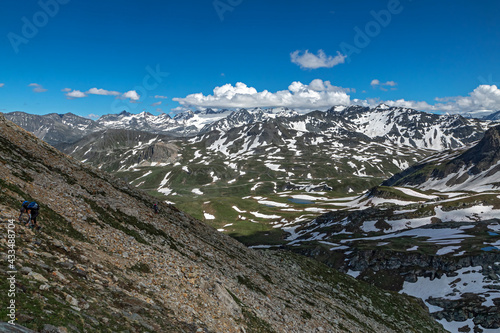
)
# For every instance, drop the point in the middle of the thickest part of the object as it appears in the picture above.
(68, 128)
(104, 261)
(419, 129)
(399, 198)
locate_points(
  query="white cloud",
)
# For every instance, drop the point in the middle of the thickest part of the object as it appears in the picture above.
(161, 97)
(483, 99)
(320, 85)
(381, 85)
(37, 87)
(93, 116)
(75, 94)
(156, 104)
(321, 95)
(2, 84)
(317, 95)
(308, 60)
(132, 95)
(103, 92)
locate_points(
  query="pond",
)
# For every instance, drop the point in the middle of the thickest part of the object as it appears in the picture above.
(490, 248)
(301, 201)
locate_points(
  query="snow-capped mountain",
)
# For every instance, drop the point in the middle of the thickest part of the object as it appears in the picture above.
(245, 117)
(399, 126)
(195, 121)
(477, 169)
(391, 126)
(143, 121)
(68, 128)
(495, 116)
(403, 126)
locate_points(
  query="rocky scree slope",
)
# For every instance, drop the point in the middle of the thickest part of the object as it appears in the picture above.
(104, 262)
(54, 128)
(115, 149)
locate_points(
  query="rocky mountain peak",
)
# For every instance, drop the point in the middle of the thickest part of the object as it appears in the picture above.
(485, 154)
(125, 113)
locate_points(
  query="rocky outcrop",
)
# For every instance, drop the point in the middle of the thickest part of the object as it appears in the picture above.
(468, 307)
(412, 265)
(308, 188)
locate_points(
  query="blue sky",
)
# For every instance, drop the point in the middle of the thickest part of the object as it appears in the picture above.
(412, 52)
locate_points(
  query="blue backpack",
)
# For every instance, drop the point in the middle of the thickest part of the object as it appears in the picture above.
(33, 205)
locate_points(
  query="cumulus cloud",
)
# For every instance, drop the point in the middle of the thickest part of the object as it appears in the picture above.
(37, 87)
(93, 116)
(132, 95)
(316, 95)
(103, 92)
(75, 94)
(2, 84)
(156, 104)
(482, 100)
(381, 85)
(321, 95)
(307, 60)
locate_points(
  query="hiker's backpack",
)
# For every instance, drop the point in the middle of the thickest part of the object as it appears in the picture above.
(33, 205)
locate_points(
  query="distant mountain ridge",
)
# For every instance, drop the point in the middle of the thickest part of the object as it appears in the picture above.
(495, 116)
(394, 125)
(475, 169)
(68, 128)
(54, 128)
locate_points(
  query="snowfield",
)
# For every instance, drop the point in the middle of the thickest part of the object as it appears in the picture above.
(468, 280)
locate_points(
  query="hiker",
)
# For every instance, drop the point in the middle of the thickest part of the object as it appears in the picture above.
(33, 211)
(155, 208)
(24, 209)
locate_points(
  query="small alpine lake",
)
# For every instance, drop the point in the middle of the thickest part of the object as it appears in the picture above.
(301, 201)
